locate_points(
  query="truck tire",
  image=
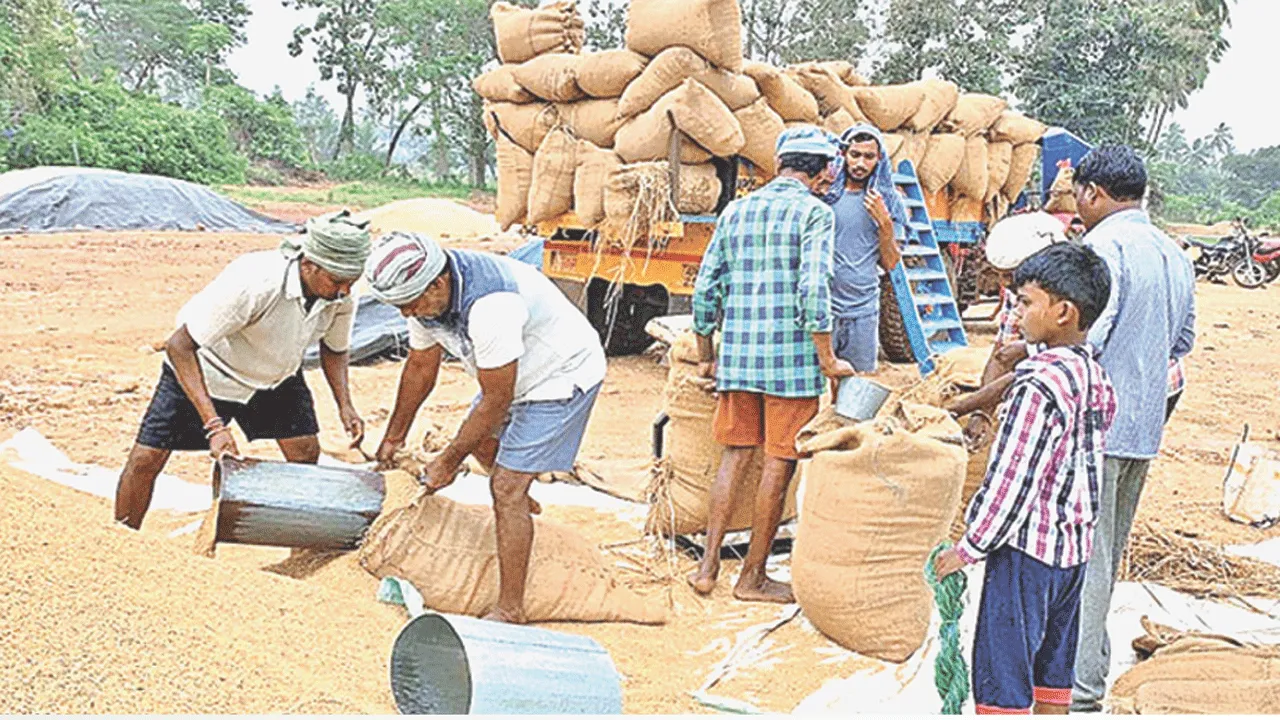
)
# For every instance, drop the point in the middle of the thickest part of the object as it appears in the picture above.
(621, 327)
(893, 332)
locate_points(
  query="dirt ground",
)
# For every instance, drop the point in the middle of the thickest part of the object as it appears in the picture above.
(94, 618)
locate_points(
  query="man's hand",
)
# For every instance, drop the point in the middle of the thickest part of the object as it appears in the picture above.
(837, 369)
(440, 474)
(873, 201)
(1011, 354)
(947, 562)
(352, 423)
(976, 430)
(386, 455)
(707, 369)
(223, 443)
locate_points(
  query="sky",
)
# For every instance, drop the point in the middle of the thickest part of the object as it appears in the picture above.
(1241, 90)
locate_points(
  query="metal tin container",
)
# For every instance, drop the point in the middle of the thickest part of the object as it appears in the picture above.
(860, 399)
(260, 502)
(455, 665)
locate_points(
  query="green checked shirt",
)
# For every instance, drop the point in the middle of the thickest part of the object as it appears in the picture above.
(765, 281)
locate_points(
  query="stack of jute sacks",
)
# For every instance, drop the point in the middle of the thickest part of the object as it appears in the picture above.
(592, 131)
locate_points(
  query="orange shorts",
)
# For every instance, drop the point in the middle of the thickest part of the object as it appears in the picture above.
(747, 419)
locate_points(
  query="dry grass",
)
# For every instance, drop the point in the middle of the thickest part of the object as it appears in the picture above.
(1196, 567)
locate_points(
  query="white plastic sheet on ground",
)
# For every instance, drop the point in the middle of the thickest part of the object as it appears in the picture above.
(1267, 551)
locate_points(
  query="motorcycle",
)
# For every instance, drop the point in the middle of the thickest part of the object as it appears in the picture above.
(1260, 265)
(1216, 259)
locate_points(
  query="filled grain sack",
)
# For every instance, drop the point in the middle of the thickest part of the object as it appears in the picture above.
(914, 146)
(525, 124)
(971, 178)
(551, 193)
(1196, 678)
(515, 175)
(499, 85)
(844, 70)
(1014, 127)
(1062, 194)
(640, 190)
(646, 137)
(449, 551)
(942, 160)
(711, 28)
(892, 145)
(523, 33)
(878, 499)
(552, 77)
(595, 166)
(675, 65)
(679, 495)
(837, 122)
(607, 74)
(705, 118)
(761, 127)
(1021, 163)
(974, 113)
(965, 208)
(700, 188)
(827, 88)
(595, 120)
(999, 157)
(889, 106)
(786, 96)
(939, 99)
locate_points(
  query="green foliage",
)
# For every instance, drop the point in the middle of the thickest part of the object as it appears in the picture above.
(1206, 181)
(101, 125)
(788, 31)
(260, 129)
(606, 24)
(356, 166)
(355, 195)
(37, 52)
(966, 41)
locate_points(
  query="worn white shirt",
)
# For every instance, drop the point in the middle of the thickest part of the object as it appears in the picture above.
(556, 347)
(253, 325)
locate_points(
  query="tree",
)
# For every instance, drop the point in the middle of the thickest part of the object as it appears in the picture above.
(349, 49)
(38, 54)
(318, 125)
(966, 41)
(789, 31)
(606, 24)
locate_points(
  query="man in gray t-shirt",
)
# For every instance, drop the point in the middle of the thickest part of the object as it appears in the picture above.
(869, 217)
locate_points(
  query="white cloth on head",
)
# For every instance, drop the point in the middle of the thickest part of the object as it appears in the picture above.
(402, 266)
(1018, 237)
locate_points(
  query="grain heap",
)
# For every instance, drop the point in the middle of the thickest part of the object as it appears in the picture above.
(556, 111)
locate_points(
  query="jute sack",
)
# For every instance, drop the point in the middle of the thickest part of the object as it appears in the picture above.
(893, 144)
(526, 125)
(971, 178)
(711, 28)
(827, 88)
(499, 85)
(889, 106)
(941, 161)
(974, 113)
(449, 552)
(625, 193)
(594, 120)
(675, 65)
(1021, 162)
(761, 127)
(515, 175)
(552, 77)
(1242, 680)
(523, 33)
(636, 197)
(700, 188)
(705, 119)
(965, 208)
(837, 122)
(595, 166)
(646, 136)
(999, 158)
(844, 70)
(551, 193)
(914, 146)
(1062, 195)
(787, 98)
(607, 74)
(940, 98)
(1014, 127)
(878, 499)
(679, 495)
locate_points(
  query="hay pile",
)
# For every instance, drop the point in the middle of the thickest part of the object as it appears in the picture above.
(683, 70)
(1196, 567)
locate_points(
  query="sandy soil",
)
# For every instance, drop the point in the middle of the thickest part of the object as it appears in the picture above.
(97, 619)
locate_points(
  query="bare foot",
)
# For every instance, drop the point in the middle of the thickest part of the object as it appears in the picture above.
(764, 590)
(703, 580)
(506, 616)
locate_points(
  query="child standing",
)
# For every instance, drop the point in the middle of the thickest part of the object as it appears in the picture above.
(1033, 518)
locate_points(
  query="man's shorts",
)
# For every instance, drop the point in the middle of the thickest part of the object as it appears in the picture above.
(747, 419)
(172, 423)
(857, 340)
(1024, 649)
(545, 435)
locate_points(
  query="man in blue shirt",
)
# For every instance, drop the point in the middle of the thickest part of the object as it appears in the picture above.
(869, 217)
(1149, 319)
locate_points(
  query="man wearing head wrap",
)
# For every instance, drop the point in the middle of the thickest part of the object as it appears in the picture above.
(870, 217)
(538, 361)
(765, 284)
(237, 356)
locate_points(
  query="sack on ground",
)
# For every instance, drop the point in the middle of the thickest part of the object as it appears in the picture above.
(526, 124)
(1198, 681)
(942, 160)
(1016, 128)
(711, 28)
(761, 127)
(595, 120)
(607, 74)
(878, 499)
(523, 33)
(551, 193)
(552, 77)
(1021, 162)
(974, 113)
(449, 552)
(595, 166)
(499, 85)
(786, 96)
(889, 106)
(999, 158)
(940, 98)
(971, 178)
(515, 175)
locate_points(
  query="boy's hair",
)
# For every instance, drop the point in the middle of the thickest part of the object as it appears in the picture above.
(1116, 169)
(808, 163)
(1069, 272)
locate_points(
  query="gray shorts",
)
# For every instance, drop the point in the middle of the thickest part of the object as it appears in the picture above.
(544, 435)
(857, 340)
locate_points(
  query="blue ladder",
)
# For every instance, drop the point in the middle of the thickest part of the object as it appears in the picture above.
(925, 296)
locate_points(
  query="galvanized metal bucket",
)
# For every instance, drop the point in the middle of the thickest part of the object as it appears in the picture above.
(260, 502)
(860, 399)
(455, 665)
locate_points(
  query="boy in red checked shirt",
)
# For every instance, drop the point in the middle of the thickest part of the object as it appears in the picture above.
(1033, 518)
